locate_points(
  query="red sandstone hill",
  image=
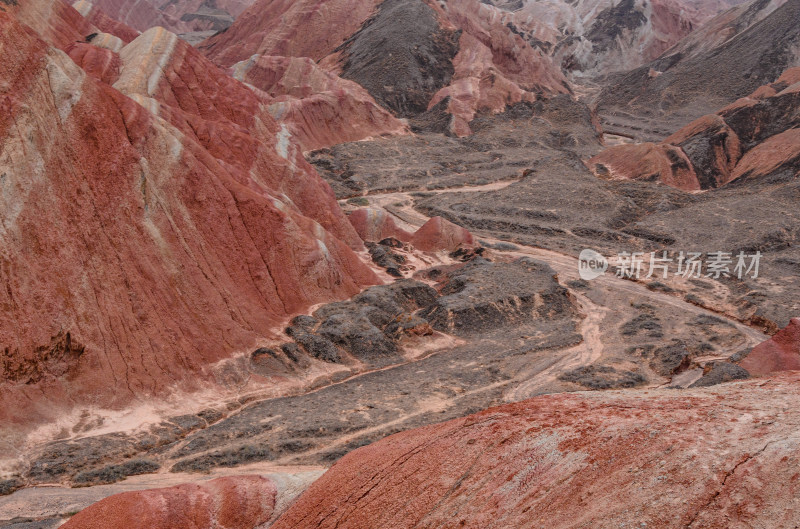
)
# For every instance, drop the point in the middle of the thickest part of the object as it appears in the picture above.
(713, 458)
(374, 225)
(104, 22)
(319, 108)
(149, 228)
(238, 502)
(753, 138)
(410, 56)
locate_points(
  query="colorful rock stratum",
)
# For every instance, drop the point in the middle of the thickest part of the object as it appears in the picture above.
(399, 263)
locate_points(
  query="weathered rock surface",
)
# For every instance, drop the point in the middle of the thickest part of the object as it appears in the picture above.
(179, 16)
(646, 161)
(101, 63)
(715, 457)
(308, 28)
(238, 502)
(375, 225)
(596, 37)
(105, 23)
(319, 108)
(146, 237)
(441, 234)
(479, 297)
(55, 21)
(753, 138)
(495, 66)
(367, 327)
(779, 353)
(140, 16)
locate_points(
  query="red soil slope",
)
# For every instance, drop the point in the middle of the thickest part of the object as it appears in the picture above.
(716, 458)
(779, 353)
(146, 237)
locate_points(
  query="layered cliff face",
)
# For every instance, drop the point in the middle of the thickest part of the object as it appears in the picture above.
(713, 458)
(151, 228)
(756, 137)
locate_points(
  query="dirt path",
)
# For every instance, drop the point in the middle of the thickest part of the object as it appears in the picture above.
(586, 353)
(604, 306)
(400, 206)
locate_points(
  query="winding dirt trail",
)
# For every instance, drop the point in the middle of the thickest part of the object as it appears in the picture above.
(537, 380)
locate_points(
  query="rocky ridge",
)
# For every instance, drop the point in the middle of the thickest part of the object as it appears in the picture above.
(752, 138)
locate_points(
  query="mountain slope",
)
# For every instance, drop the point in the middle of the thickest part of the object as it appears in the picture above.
(754, 138)
(420, 59)
(694, 78)
(712, 458)
(145, 237)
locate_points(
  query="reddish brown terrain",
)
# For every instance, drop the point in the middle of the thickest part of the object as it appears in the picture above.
(105, 23)
(752, 138)
(231, 502)
(717, 458)
(157, 208)
(779, 353)
(323, 263)
(459, 55)
(319, 108)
